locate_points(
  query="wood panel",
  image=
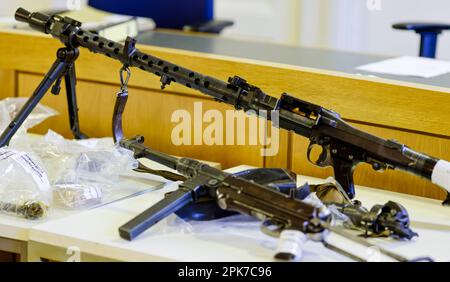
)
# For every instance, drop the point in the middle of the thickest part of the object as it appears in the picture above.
(390, 180)
(367, 100)
(282, 158)
(148, 113)
(7, 81)
(8, 257)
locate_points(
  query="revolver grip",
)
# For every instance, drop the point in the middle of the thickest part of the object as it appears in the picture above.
(343, 173)
(170, 204)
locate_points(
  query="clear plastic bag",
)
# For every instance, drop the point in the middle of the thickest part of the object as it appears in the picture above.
(10, 107)
(235, 225)
(38, 115)
(76, 161)
(24, 187)
(77, 196)
(82, 172)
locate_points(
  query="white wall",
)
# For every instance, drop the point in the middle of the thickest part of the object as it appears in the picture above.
(8, 7)
(337, 24)
(406, 10)
(353, 25)
(272, 20)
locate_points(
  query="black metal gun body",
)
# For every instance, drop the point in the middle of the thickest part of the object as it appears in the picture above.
(343, 146)
(277, 210)
(231, 193)
(390, 219)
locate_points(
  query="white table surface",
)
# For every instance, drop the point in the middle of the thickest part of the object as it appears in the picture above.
(96, 232)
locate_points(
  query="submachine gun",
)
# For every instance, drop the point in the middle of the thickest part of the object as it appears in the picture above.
(343, 146)
(278, 211)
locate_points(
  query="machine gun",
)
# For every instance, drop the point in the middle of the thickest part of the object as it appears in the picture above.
(343, 146)
(231, 192)
(388, 220)
(278, 211)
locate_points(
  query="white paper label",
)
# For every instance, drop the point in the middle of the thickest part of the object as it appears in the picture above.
(26, 162)
(441, 174)
(291, 242)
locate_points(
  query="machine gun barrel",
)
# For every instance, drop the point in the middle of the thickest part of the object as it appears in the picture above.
(66, 29)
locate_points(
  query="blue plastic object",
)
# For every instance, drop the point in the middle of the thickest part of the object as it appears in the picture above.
(428, 44)
(174, 14)
(428, 32)
(207, 209)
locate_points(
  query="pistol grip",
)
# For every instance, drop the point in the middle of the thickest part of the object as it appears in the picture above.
(170, 204)
(343, 173)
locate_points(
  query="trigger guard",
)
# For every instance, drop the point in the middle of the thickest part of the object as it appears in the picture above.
(324, 157)
(268, 223)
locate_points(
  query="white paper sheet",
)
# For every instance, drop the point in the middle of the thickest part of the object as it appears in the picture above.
(409, 66)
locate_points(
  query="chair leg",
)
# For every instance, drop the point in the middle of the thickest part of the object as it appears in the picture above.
(428, 43)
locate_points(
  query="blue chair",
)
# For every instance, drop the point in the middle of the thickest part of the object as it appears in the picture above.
(428, 32)
(194, 15)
